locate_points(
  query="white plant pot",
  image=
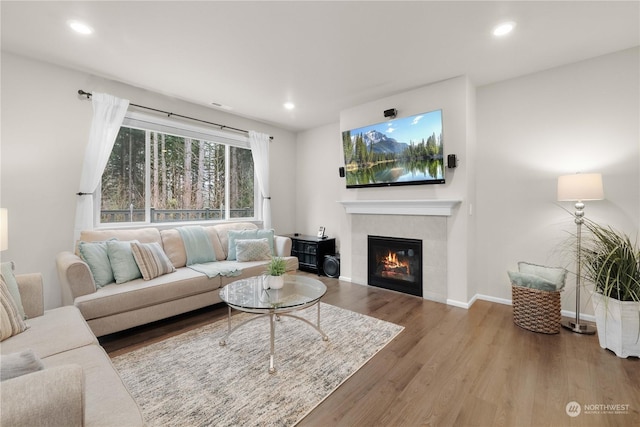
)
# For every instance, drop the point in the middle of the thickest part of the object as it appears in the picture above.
(275, 282)
(618, 325)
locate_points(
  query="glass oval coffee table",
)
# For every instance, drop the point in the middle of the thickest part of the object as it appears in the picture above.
(250, 296)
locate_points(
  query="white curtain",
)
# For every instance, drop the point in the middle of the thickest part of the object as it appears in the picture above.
(259, 143)
(108, 113)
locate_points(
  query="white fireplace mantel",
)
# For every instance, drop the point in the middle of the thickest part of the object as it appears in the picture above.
(434, 207)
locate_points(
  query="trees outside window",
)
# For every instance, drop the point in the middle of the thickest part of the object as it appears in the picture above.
(159, 177)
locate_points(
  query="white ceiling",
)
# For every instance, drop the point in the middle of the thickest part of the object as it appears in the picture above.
(323, 56)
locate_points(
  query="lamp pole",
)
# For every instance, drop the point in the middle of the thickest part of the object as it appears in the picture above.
(576, 326)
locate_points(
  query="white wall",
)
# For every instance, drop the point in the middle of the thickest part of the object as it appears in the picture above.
(581, 117)
(45, 125)
(318, 185)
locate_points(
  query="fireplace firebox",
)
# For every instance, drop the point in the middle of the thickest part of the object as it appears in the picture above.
(395, 263)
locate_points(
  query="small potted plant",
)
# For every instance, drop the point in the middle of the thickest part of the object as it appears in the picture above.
(611, 261)
(275, 273)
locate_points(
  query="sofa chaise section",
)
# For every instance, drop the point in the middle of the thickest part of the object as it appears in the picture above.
(78, 385)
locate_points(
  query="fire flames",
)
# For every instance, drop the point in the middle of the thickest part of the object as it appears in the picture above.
(394, 266)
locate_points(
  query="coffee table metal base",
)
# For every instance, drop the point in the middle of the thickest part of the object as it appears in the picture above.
(273, 317)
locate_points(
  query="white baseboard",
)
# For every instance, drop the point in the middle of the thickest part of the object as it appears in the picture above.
(493, 299)
(460, 304)
(476, 297)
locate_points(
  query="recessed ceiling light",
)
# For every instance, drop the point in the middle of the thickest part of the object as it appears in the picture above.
(222, 106)
(80, 27)
(503, 29)
(289, 105)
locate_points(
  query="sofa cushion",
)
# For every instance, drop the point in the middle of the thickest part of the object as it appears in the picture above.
(122, 261)
(143, 235)
(57, 330)
(139, 293)
(107, 400)
(6, 271)
(174, 246)
(96, 256)
(151, 260)
(223, 233)
(235, 235)
(253, 250)
(11, 321)
(17, 364)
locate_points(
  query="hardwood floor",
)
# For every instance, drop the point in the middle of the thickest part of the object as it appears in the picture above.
(455, 367)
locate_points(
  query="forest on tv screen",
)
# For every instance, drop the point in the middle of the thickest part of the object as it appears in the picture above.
(372, 150)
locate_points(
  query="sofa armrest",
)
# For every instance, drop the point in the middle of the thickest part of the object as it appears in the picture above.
(31, 293)
(51, 397)
(282, 245)
(75, 277)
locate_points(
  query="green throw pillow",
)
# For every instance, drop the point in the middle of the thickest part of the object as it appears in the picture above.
(531, 281)
(96, 256)
(555, 275)
(235, 235)
(123, 263)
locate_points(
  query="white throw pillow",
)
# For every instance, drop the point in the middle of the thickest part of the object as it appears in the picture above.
(253, 250)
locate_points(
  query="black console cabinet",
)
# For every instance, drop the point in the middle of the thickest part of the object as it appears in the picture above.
(310, 251)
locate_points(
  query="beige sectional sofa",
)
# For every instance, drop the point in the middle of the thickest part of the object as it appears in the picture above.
(118, 307)
(78, 385)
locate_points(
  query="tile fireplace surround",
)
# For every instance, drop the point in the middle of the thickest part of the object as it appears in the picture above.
(425, 220)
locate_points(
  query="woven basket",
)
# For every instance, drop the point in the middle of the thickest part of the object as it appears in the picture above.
(536, 310)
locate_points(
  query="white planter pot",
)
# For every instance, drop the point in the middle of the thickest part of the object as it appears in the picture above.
(275, 282)
(618, 325)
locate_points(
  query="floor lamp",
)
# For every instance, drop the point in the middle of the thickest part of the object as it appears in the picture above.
(579, 188)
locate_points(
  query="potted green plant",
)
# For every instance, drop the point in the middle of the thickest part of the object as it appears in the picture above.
(275, 273)
(611, 261)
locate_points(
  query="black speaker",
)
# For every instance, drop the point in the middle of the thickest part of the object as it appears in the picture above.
(452, 161)
(331, 265)
(341, 172)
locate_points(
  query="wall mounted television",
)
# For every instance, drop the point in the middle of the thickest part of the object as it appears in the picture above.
(402, 151)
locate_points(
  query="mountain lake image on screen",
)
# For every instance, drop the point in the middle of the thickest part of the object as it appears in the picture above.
(402, 151)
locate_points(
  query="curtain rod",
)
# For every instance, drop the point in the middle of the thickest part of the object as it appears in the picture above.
(169, 114)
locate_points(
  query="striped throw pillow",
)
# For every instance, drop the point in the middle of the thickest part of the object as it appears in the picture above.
(151, 260)
(11, 322)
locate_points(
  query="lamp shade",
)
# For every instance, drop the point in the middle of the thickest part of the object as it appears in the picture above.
(580, 186)
(4, 230)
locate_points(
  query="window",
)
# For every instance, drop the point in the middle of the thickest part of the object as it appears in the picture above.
(162, 172)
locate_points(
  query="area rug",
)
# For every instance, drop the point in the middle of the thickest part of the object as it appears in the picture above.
(190, 380)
